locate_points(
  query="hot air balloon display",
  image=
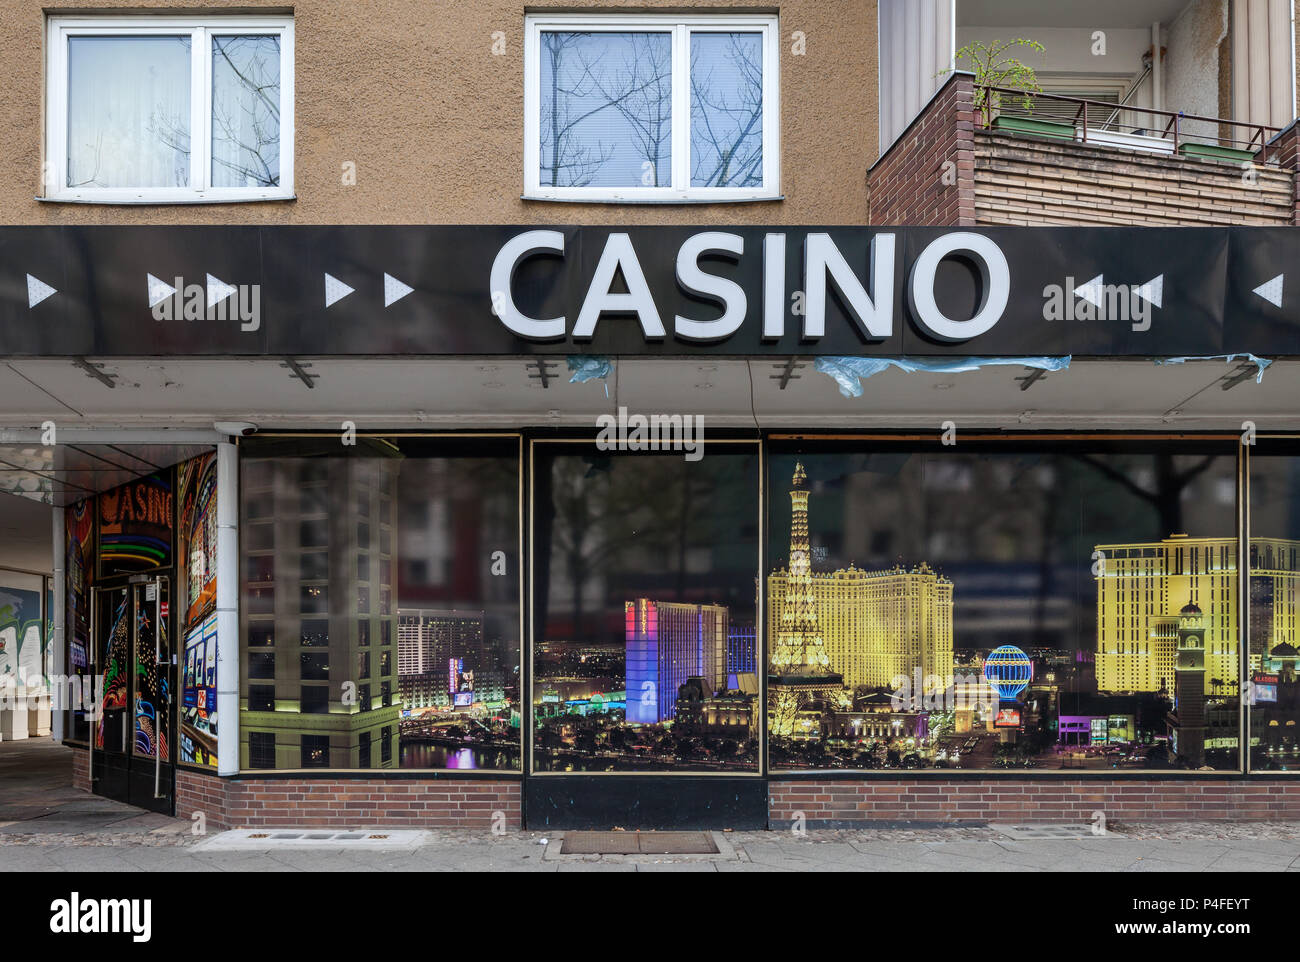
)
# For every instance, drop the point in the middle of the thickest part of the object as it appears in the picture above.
(1009, 671)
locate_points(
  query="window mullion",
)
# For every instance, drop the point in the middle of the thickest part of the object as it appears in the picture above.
(681, 108)
(56, 179)
(201, 109)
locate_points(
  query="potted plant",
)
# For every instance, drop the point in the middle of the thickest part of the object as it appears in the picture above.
(996, 64)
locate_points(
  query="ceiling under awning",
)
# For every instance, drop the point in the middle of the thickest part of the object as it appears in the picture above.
(64, 473)
(168, 397)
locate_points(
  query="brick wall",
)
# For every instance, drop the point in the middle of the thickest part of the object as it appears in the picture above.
(198, 792)
(1028, 182)
(824, 802)
(906, 187)
(829, 803)
(361, 803)
(81, 769)
(1285, 150)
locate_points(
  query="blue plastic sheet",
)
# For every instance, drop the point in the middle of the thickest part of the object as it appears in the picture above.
(1259, 362)
(849, 372)
(588, 368)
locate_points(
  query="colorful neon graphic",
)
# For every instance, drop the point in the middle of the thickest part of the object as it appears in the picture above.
(115, 666)
(196, 487)
(135, 526)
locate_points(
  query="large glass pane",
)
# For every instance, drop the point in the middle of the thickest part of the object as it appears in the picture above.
(1274, 650)
(605, 109)
(1003, 608)
(245, 111)
(129, 111)
(726, 109)
(446, 683)
(645, 605)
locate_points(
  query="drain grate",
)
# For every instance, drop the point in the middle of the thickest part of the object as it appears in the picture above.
(638, 843)
(307, 838)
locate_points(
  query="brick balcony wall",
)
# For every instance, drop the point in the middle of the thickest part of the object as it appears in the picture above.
(999, 179)
(1032, 182)
(926, 178)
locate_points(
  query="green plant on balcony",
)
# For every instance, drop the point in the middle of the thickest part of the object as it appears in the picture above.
(996, 65)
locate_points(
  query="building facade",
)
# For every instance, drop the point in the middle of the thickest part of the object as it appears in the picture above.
(438, 381)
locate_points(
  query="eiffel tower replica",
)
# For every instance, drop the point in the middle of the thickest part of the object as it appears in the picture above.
(799, 671)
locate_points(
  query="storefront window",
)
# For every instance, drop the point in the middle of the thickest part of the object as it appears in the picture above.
(442, 690)
(645, 606)
(1002, 607)
(1273, 653)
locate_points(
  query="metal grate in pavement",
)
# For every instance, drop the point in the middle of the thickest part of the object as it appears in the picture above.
(307, 838)
(638, 843)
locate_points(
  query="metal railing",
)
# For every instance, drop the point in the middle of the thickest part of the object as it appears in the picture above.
(1104, 123)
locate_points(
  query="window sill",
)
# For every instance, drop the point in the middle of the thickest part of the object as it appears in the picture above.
(667, 200)
(144, 200)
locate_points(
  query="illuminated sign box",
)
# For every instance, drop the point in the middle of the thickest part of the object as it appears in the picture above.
(1007, 718)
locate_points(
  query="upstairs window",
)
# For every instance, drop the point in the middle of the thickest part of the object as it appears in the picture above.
(169, 109)
(649, 109)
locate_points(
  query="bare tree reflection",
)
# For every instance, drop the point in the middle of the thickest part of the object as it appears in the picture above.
(727, 113)
(579, 86)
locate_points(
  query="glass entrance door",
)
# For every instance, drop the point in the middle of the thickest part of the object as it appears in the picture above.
(645, 708)
(133, 731)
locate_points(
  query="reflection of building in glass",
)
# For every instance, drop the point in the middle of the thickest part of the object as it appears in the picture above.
(1187, 722)
(1140, 586)
(668, 643)
(319, 669)
(430, 641)
(851, 628)
(728, 714)
(742, 652)
(878, 626)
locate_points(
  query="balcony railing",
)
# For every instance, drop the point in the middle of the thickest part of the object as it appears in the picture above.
(1100, 123)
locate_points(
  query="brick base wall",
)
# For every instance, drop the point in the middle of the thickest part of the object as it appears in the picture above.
(822, 802)
(842, 803)
(198, 792)
(363, 803)
(81, 770)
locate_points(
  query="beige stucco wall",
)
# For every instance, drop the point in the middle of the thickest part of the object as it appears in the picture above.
(410, 92)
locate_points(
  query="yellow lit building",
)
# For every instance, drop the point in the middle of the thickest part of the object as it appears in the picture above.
(1142, 587)
(879, 625)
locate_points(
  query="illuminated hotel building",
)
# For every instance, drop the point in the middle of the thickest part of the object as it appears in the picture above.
(667, 643)
(870, 627)
(879, 625)
(427, 640)
(1142, 587)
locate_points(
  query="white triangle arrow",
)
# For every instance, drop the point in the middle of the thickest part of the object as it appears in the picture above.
(1272, 291)
(335, 290)
(1093, 291)
(37, 291)
(394, 290)
(159, 291)
(1153, 291)
(218, 290)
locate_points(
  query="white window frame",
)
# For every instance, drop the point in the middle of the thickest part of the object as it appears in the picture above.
(201, 30)
(680, 27)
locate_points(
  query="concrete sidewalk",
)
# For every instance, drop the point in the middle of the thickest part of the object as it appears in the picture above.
(1137, 848)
